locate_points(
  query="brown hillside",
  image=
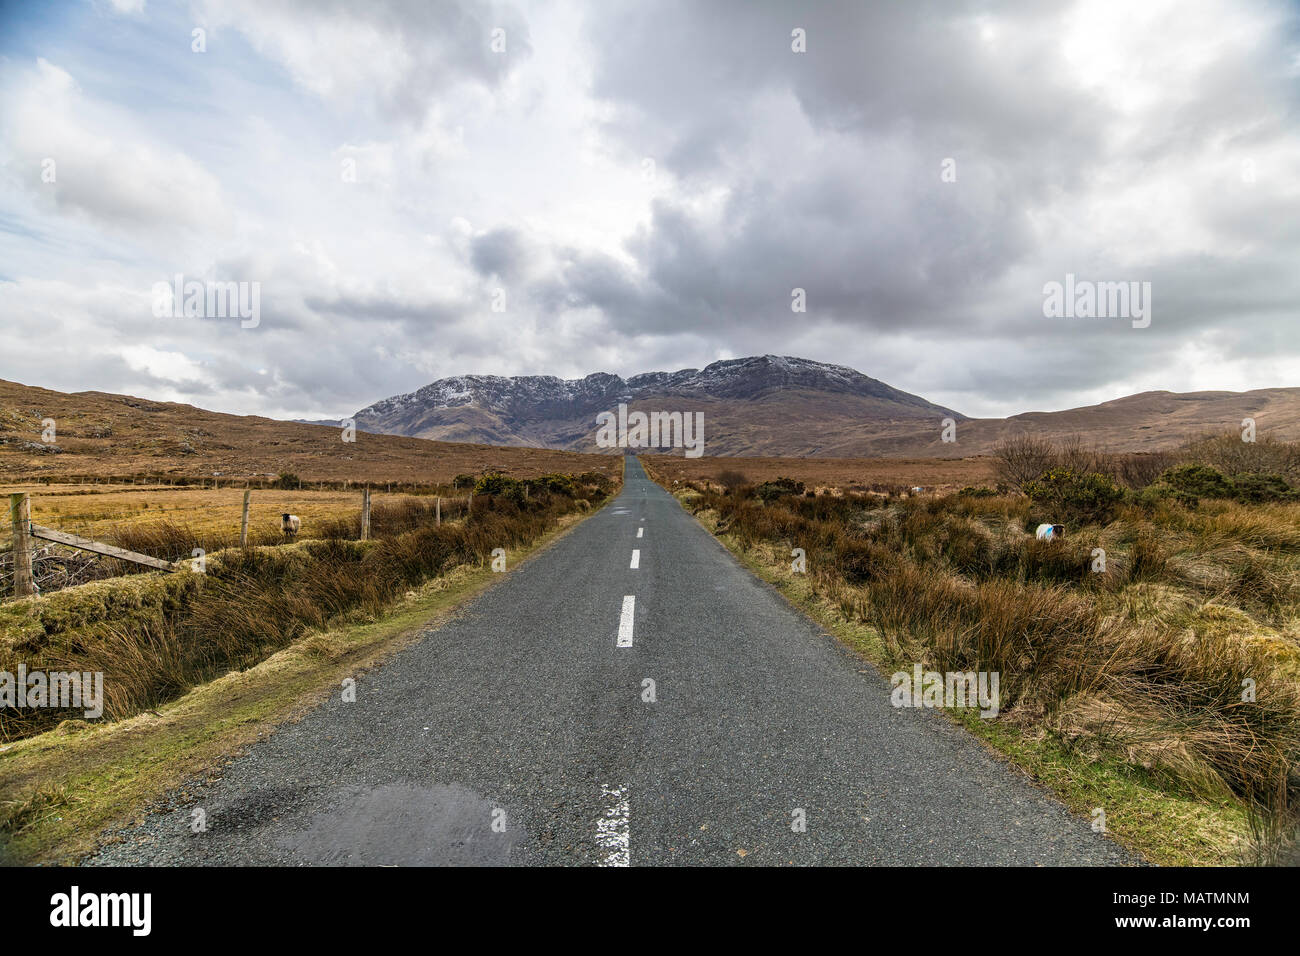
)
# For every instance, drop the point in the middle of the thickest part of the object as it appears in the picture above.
(101, 434)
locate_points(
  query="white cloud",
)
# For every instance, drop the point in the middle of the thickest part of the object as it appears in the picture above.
(88, 157)
(1108, 139)
(168, 366)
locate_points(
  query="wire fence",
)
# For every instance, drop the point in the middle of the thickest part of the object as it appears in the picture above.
(173, 523)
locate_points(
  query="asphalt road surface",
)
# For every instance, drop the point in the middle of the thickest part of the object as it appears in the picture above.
(524, 731)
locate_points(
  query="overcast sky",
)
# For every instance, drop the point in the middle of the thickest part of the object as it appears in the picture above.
(642, 185)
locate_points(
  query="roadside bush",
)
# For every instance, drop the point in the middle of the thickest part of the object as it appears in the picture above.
(559, 484)
(779, 487)
(597, 485)
(1198, 481)
(730, 480)
(1257, 487)
(1087, 497)
(502, 486)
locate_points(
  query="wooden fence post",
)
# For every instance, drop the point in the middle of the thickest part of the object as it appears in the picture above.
(469, 508)
(20, 511)
(243, 522)
(437, 509)
(365, 514)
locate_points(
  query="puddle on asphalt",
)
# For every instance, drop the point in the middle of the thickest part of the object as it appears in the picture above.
(401, 824)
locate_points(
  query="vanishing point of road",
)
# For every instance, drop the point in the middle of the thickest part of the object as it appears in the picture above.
(526, 730)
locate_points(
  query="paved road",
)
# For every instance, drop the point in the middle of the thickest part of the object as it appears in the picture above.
(518, 733)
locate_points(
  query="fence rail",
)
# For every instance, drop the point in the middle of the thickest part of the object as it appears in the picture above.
(59, 568)
(98, 547)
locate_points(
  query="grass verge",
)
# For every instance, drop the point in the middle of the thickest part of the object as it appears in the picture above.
(63, 790)
(1141, 813)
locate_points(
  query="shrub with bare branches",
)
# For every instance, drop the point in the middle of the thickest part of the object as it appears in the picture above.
(1232, 456)
(1022, 458)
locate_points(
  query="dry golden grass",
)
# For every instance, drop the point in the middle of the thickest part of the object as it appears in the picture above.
(829, 474)
(98, 434)
(61, 791)
(154, 635)
(1179, 662)
(103, 512)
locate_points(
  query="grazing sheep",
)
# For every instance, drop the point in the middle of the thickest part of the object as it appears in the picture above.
(1049, 532)
(290, 524)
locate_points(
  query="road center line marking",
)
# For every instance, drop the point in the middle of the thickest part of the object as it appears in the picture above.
(636, 558)
(613, 829)
(640, 531)
(625, 621)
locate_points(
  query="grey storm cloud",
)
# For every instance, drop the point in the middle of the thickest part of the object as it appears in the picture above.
(864, 224)
(383, 307)
(695, 72)
(498, 253)
(1157, 142)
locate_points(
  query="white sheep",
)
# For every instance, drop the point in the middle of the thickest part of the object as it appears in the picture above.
(290, 524)
(1049, 532)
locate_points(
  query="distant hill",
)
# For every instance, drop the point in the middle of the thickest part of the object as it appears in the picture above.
(783, 406)
(97, 433)
(1149, 421)
(765, 405)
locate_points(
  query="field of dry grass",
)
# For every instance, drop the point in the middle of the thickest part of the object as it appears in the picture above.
(1162, 684)
(102, 435)
(105, 512)
(155, 634)
(827, 474)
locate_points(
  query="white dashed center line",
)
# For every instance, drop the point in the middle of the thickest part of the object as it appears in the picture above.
(613, 829)
(640, 531)
(625, 621)
(636, 558)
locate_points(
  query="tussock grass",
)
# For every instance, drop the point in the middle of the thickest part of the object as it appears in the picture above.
(1179, 661)
(19, 815)
(72, 785)
(154, 636)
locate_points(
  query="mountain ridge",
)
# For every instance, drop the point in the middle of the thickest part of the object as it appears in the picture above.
(772, 405)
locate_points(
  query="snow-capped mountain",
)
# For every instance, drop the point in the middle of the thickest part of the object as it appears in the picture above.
(767, 405)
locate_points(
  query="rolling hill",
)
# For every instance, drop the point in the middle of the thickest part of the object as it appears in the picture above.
(100, 434)
(767, 406)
